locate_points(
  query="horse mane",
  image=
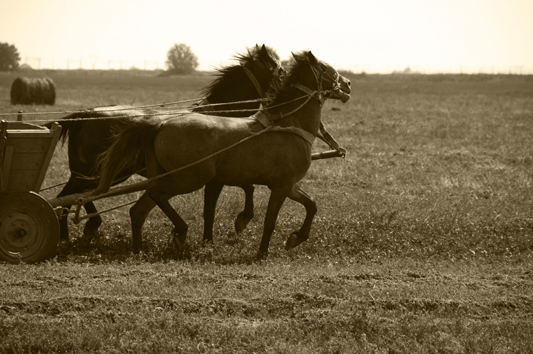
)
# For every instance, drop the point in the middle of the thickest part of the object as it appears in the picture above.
(278, 93)
(227, 76)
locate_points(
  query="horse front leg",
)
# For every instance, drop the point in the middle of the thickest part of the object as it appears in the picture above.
(297, 237)
(211, 193)
(247, 214)
(275, 202)
(138, 214)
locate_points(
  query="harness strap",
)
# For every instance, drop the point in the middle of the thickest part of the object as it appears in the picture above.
(308, 137)
(263, 118)
(319, 95)
(254, 81)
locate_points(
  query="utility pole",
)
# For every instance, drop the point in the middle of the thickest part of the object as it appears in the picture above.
(93, 59)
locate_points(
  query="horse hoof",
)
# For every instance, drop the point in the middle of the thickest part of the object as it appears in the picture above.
(91, 229)
(182, 249)
(89, 232)
(241, 222)
(292, 241)
(261, 256)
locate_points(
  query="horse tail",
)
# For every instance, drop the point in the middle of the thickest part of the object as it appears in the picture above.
(127, 151)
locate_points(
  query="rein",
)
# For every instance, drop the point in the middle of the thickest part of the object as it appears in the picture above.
(266, 119)
(263, 118)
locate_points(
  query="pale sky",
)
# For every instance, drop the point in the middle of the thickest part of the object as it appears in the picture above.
(373, 35)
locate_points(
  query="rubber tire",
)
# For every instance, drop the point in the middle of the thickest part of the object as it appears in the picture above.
(29, 228)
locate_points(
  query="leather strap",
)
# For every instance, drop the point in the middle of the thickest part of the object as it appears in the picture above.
(254, 81)
(263, 118)
(310, 138)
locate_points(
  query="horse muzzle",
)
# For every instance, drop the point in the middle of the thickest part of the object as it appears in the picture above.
(342, 93)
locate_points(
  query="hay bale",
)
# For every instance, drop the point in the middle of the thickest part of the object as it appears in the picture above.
(33, 91)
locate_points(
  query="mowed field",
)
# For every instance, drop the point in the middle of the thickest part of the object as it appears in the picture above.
(423, 240)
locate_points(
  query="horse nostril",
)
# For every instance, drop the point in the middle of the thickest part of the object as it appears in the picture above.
(349, 83)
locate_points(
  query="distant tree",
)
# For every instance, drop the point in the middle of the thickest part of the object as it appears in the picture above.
(181, 59)
(9, 57)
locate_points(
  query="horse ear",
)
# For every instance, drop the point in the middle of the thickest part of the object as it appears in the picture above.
(257, 52)
(312, 58)
(295, 56)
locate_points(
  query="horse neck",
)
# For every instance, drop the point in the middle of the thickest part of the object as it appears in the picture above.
(306, 117)
(235, 89)
(238, 91)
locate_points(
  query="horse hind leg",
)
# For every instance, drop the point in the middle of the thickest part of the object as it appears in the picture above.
(75, 185)
(138, 214)
(301, 235)
(247, 214)
(179, 232)
(91, 226)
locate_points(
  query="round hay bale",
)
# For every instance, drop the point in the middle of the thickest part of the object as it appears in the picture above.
(33, 91)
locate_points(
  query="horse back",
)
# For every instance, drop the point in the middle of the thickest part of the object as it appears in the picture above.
(239, 154)
(91, 132)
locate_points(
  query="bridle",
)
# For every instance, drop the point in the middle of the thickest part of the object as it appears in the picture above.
(277, 73)
(321, 76)
(321, 95)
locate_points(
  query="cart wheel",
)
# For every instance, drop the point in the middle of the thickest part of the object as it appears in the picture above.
(29, 229)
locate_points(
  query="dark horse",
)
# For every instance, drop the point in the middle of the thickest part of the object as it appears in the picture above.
(271, 148)
(87, 139)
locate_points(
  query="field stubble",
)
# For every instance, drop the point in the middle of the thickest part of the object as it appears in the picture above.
(422, 243)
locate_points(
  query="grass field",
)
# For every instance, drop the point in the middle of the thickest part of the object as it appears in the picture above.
(423, 242)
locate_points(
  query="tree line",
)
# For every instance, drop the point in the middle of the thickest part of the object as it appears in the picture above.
(180, 59)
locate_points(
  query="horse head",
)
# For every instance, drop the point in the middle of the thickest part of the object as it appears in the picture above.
(326, 81)
(262, 64)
